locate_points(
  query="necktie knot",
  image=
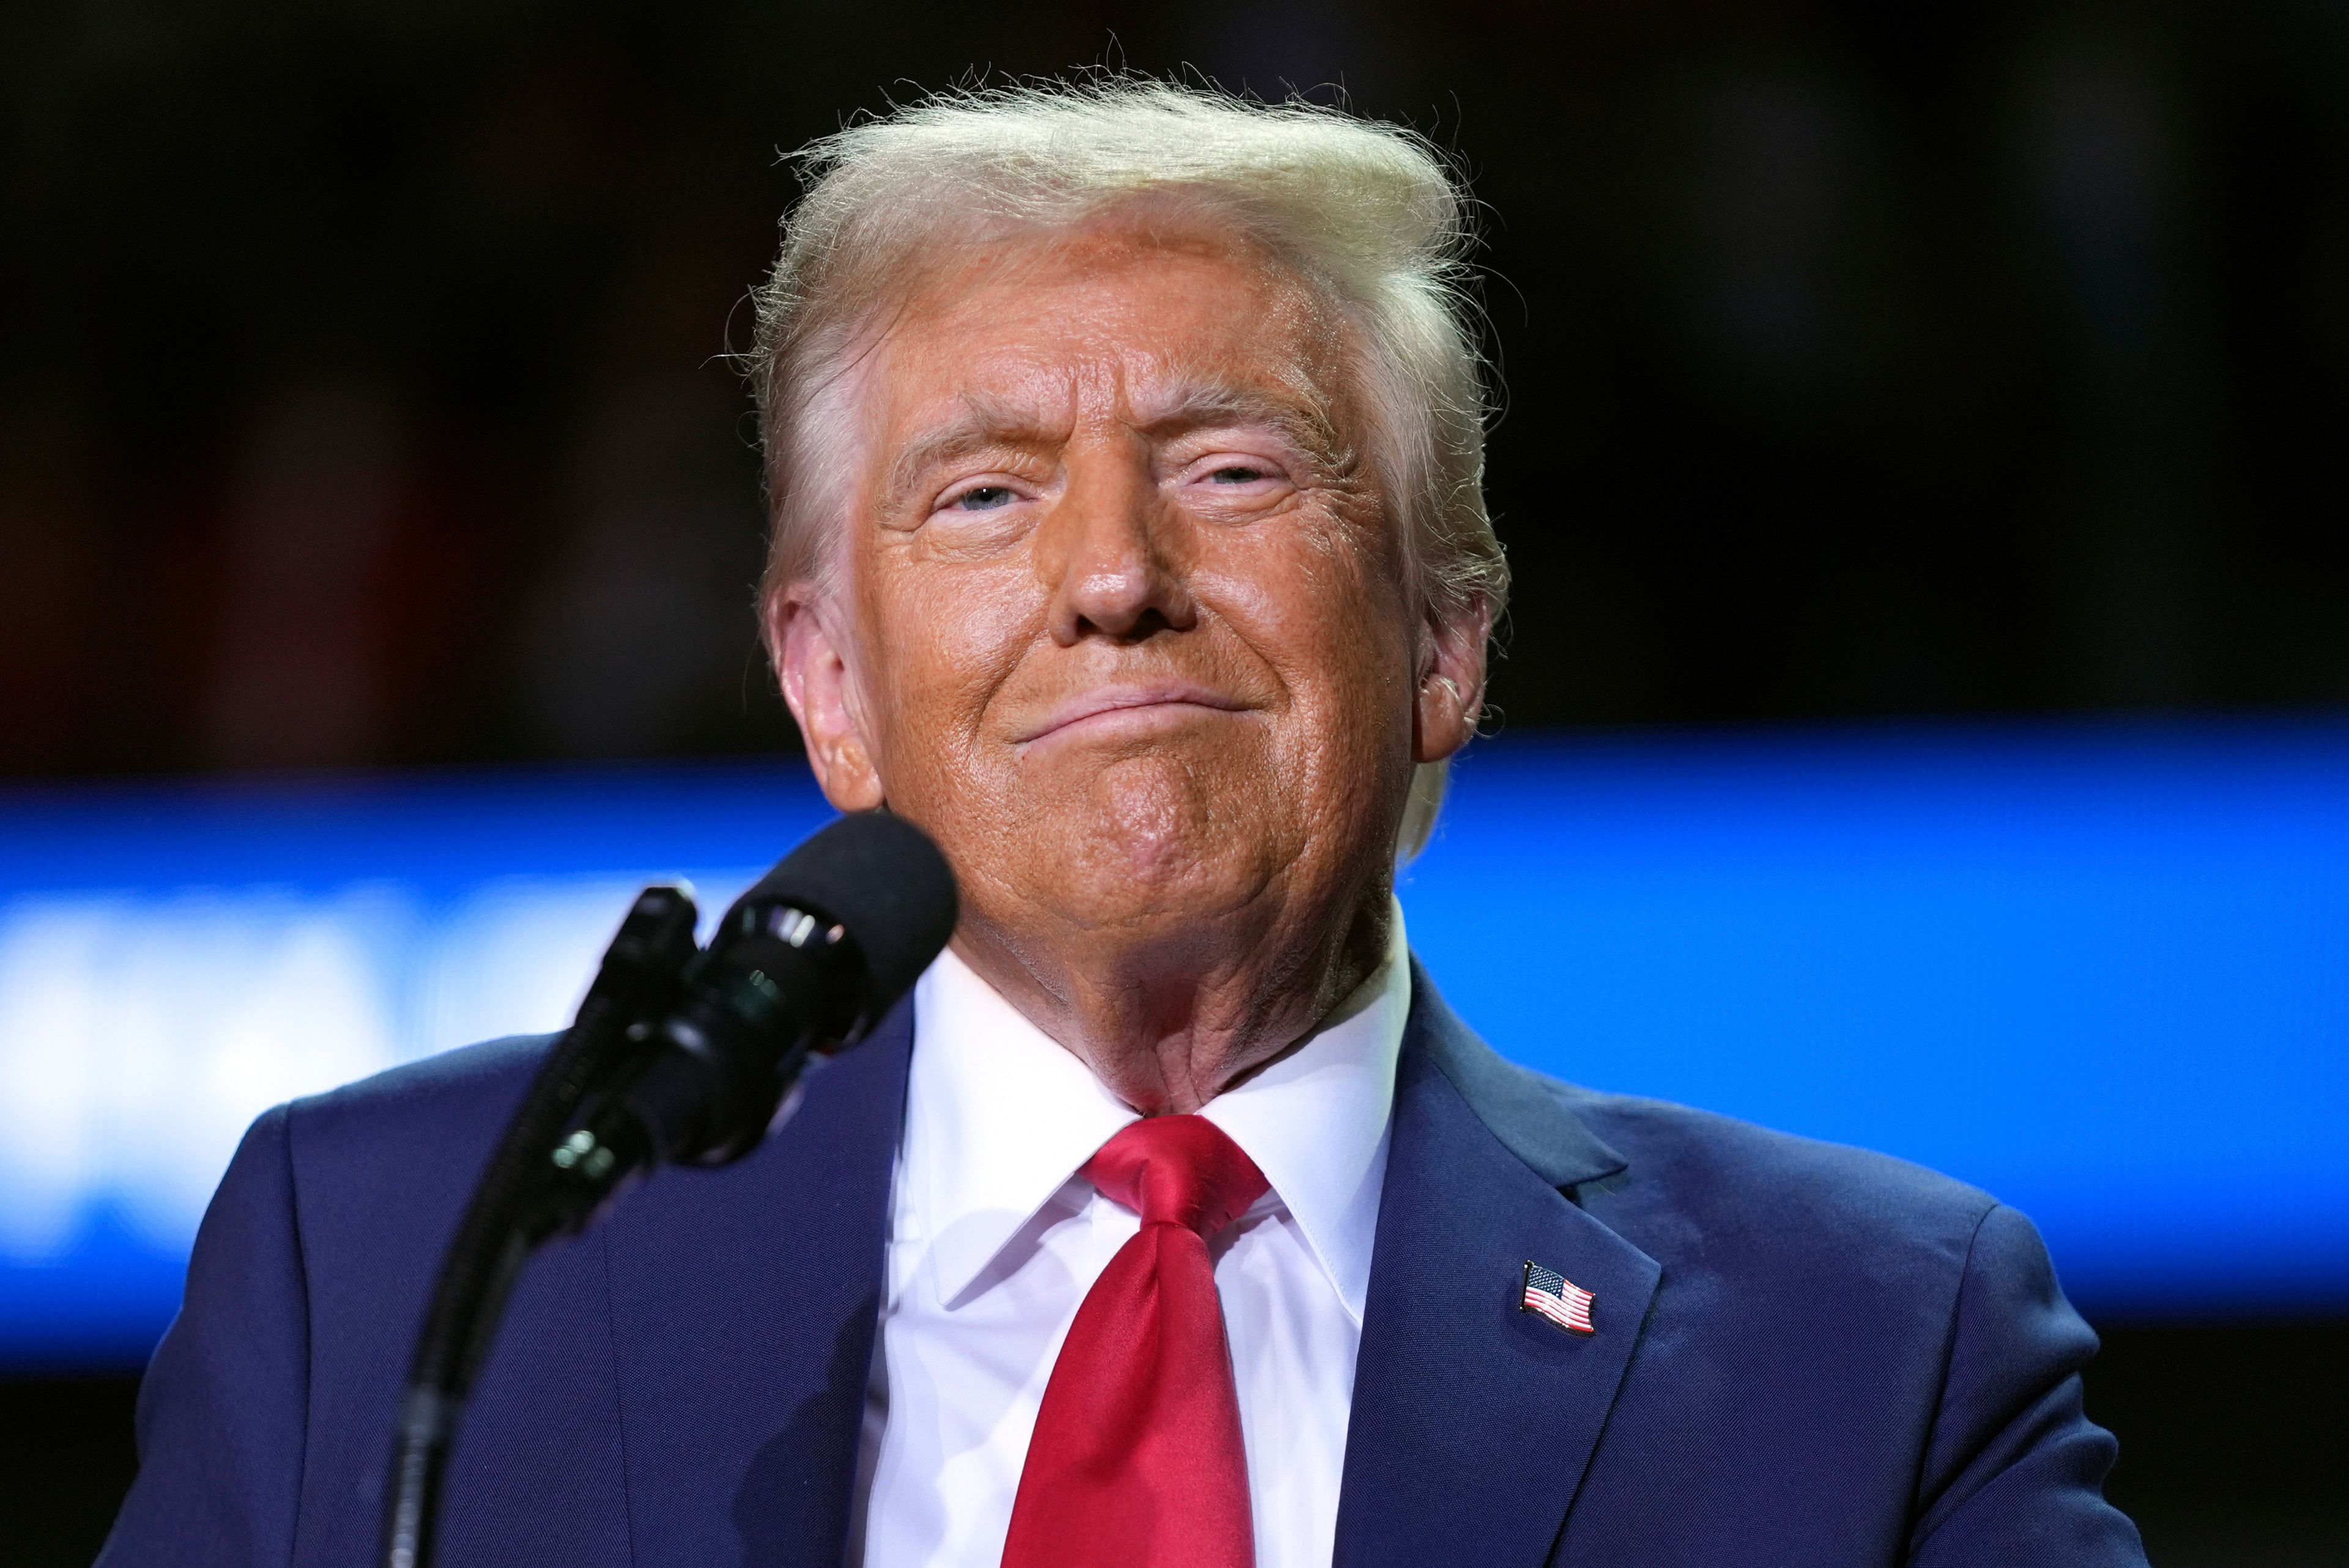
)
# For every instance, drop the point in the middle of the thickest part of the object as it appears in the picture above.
(1178, 1170)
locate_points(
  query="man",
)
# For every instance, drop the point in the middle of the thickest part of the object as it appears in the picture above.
(1125, 446)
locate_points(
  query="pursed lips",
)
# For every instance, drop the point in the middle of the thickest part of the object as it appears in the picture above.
(1109, 701)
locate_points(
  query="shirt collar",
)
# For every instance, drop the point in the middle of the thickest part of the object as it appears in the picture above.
(1000, 1116)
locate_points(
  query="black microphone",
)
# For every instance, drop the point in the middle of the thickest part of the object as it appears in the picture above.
(679, 1056)
(812, 955)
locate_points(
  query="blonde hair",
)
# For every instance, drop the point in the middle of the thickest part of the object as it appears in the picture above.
(1366, 214)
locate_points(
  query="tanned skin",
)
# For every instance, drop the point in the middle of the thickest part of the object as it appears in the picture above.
(1120, 614)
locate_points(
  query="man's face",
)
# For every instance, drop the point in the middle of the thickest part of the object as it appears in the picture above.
(1121, 616)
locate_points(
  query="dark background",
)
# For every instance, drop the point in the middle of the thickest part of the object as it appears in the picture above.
(362, 404)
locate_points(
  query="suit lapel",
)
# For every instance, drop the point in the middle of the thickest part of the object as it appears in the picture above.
(744, 1305)
(1474, 1420)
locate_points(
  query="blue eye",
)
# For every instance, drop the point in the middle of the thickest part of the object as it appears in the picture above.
(984, 497)
(1236, 475)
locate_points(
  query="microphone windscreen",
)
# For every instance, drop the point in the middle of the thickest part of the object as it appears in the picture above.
(882, 878)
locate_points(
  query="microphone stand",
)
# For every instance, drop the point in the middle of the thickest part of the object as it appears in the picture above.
(511, 1212)
(679, 1054)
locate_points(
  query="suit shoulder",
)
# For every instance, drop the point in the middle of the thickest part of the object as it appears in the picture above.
(454, 1103)
(493, 1071)
(1725, 1172)
(1670, 1170)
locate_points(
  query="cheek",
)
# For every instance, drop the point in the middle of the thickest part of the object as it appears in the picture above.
(1326, 608)
(947, 637)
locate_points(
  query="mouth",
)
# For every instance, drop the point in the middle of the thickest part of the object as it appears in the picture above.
(1118, 708)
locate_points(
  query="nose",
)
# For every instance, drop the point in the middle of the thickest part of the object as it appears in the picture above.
(1105, 553)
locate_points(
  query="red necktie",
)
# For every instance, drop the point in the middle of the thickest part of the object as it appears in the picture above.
(1136, 1461)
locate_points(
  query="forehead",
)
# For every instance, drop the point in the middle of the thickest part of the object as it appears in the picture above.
(1128, 316)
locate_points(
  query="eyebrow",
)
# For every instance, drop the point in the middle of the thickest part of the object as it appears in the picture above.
(1196, 405)
(984, 425)
(987, 425)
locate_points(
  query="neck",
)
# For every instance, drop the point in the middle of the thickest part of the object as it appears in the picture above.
(1168, 1019)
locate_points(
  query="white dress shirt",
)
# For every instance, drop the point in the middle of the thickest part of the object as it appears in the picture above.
(995, 1240)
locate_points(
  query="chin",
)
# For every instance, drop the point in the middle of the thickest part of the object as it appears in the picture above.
(1157, 843)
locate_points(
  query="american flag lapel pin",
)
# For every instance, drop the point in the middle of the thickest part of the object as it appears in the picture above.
(1557, 1298)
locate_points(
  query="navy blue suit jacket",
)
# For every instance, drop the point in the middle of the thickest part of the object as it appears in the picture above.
(1806, 1354)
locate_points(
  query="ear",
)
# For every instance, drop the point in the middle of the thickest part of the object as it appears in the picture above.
(1451, 695)
(820, 685)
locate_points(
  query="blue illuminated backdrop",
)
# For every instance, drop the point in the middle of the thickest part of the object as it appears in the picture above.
(2102, 973)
